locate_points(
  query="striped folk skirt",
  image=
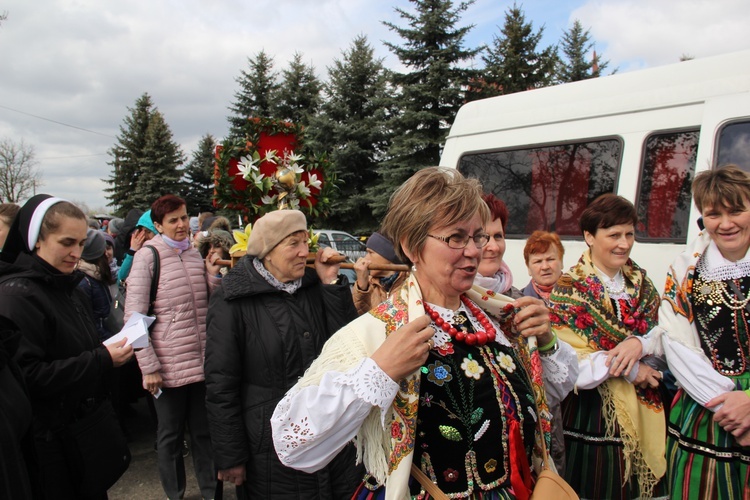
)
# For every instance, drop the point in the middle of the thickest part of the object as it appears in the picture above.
(594, 463)
(703, 460)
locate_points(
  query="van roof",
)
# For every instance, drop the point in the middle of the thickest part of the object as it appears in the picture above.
(679, 84)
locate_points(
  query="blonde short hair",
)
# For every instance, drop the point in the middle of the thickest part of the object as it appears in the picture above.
(727, 186)
(434, 196)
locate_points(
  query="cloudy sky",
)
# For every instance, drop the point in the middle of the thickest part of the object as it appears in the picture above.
(69, 69)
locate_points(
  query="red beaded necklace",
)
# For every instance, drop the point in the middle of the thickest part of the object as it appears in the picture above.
(478, 338)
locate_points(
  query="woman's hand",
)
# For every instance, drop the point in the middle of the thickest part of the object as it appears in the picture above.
(212, 268)
(235, 475)
(362, 267)
(137, 239)
(119, 352)
(532, 319)
(744, 439)
(326, 269)
(734, 415)
(152, 382)
(647, 376)
(622, 358)
(405, 350)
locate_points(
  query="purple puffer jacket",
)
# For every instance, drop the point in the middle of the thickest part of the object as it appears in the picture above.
(178, 338)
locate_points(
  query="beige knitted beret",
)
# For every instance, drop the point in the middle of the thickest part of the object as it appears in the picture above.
(269, 230)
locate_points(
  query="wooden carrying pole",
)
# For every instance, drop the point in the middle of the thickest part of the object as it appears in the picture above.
(335, 259)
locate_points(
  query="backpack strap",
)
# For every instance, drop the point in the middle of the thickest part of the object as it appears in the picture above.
(154, 280)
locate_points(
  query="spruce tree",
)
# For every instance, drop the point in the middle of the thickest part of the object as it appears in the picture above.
(352, 126)
(159, 163)
(299, 93)
(514, 63)
(127, 157)
(198, 179)
(429, 94)
(257, 95)
(577, 64)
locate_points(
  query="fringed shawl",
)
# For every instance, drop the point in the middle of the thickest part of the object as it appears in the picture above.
(583, 316)
(388, 457)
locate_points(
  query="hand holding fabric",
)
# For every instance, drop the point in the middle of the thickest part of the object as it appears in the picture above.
(623, 357)
(532, 319)
(734, 414)
(647, 377)
(405, 350)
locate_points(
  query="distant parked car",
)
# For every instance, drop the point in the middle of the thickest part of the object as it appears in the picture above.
(342, 242)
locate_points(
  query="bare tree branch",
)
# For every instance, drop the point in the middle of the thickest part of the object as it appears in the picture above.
(19, 176)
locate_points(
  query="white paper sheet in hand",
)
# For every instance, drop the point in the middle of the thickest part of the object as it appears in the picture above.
(136, 331)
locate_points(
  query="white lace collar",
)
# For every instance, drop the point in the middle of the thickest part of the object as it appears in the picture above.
(714, 267)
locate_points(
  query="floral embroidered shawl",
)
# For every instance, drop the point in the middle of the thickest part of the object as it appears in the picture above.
(583, 316)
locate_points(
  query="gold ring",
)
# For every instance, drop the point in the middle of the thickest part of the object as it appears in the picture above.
(431, 343)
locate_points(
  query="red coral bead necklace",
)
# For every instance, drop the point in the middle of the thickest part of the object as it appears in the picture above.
(479, 338)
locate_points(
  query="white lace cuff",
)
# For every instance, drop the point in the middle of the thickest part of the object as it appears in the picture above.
(371, 384)
(560, 372)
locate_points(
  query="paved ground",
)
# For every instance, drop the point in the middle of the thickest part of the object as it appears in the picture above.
(141, 480)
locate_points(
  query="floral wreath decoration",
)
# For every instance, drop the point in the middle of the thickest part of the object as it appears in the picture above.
(264, 172)
(269, 168)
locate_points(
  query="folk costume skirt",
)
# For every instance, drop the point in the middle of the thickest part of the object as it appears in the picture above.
(703, 460)
(595, 464)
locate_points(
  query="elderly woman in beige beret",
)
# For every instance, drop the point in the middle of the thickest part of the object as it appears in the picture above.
(266, 324)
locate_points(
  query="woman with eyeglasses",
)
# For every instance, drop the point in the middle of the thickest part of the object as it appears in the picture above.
(437, 376)
(614, 426)
(493, 274)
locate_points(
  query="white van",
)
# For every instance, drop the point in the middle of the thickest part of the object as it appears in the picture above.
(548, 152)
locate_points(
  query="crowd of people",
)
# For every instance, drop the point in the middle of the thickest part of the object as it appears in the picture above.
(431, 376)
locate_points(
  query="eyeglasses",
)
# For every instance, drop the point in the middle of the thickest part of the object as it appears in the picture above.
(459, 241)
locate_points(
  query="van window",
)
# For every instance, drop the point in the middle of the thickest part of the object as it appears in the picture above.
(734, 145)
(547, 187)
(663, 200)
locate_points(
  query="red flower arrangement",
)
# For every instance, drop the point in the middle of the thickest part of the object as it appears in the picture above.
(269, 168)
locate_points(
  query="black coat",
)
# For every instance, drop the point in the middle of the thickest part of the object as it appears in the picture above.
(260, 341)
(16, 445)
(62, 361)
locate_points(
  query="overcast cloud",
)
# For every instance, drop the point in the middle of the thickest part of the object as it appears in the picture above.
(84, 62)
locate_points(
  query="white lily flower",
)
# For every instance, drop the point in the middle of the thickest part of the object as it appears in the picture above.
(268, 200)
(303, 190)
(271, 156)
(246, 166)
(294, 158)
(314, 181)
(294, 203)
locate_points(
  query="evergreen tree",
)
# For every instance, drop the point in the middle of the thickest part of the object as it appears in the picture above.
(159, 163)
(198, 179)
(299, 94)
(577, 64)
(513, 63)
(352, 127)
(127, 156)
(429, 95)
(257, 95)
